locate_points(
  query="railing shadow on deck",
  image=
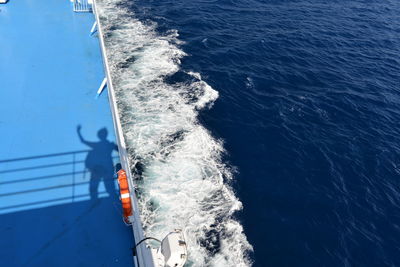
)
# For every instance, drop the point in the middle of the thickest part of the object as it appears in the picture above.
(46, 180)
(48, 217)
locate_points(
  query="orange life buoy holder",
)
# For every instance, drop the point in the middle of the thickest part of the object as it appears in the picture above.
(125, 196)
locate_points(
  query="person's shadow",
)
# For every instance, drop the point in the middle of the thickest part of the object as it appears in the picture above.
(99, 162)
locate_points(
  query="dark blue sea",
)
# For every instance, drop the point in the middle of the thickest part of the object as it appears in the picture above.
(309, 110)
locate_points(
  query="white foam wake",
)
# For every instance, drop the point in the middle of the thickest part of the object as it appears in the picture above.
(182, 183)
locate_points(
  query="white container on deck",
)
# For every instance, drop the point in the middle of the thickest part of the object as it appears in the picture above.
(172, 252)
(173, 248)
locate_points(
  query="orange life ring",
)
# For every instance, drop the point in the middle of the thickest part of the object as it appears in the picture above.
(125, 195)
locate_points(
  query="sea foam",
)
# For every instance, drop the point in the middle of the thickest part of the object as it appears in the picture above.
(181, 178)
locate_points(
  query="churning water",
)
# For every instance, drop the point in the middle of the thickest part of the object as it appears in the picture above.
(183, 182)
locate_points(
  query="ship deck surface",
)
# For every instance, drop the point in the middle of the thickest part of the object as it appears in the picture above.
(50, 70)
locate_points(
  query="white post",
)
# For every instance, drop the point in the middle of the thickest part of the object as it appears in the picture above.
(93, 27)
(101, 88)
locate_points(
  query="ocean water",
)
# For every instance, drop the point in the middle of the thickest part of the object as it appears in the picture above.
(267, 130)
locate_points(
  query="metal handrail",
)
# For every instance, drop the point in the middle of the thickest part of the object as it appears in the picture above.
(82, 5)
(144, 255)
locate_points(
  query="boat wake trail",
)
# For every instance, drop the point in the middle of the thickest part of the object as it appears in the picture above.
(182, 180)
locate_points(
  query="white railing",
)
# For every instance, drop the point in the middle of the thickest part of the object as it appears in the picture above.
(82, 5)
(144, 256)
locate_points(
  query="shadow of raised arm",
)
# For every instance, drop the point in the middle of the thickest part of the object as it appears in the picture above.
(78, 130)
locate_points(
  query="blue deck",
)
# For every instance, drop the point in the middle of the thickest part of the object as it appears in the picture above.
(50, 69)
